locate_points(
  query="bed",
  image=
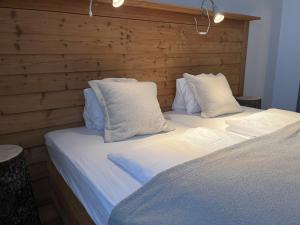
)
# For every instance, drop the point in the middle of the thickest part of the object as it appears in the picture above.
(252, 156)
(80, 157)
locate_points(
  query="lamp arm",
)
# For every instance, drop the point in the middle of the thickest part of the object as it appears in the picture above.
(90, 8)
(208, 27)
(212, 3)
(218, 17)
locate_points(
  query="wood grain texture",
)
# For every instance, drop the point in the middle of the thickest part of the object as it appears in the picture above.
(32, 64)
(32, 138)
(39, 119)
(244, 56)
(50, 49)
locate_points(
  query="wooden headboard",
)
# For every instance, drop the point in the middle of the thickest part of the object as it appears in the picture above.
(50, 49)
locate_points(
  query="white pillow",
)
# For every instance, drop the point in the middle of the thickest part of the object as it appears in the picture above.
(191, 103)
(213, 94)
(130, 109)
(179, 103)
(93, 114)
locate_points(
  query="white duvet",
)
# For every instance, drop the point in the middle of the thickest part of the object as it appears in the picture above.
(146, 161)
(262, 123)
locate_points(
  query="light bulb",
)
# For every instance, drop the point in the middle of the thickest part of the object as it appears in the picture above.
(117, 3)
(219, 17)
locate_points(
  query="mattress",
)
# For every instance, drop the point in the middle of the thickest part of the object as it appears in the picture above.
(80, 156)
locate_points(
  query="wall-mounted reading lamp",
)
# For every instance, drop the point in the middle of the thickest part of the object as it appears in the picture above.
(218, 16)
(115, 3)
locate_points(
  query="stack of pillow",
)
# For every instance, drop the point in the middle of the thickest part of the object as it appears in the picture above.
(206, 93)
(122, 108)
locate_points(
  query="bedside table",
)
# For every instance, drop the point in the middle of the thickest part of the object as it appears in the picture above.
(254, 102)
(17, 204)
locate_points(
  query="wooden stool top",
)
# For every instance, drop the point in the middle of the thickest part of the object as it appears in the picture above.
(8, 152)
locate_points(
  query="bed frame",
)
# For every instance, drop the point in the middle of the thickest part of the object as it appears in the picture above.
(230, 60)
(69, 207)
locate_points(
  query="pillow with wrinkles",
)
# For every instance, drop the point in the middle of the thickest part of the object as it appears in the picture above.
(213, 94)
(184, 99)
(130, 109)
(93, 113)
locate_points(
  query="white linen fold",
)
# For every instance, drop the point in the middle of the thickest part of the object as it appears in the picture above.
(262, 123)
(146, 161)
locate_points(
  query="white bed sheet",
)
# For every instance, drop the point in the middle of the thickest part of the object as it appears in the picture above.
(146, 161)
(262, 123)
(219, 123)
(80, 155)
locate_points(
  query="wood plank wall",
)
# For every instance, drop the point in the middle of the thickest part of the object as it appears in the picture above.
(50, 49)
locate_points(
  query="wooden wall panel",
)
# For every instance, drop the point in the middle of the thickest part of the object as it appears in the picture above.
(47, 82)
(14, 123)
(32, 138)
(32, 64)
(50, 49)
(40, 101)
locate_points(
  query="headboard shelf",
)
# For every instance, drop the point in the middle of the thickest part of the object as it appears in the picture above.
(133, 9)
(148, 4)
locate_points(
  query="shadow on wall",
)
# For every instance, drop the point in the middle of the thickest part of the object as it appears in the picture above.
(286, 86)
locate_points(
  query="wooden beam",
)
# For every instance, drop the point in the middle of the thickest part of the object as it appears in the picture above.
(148, 4)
